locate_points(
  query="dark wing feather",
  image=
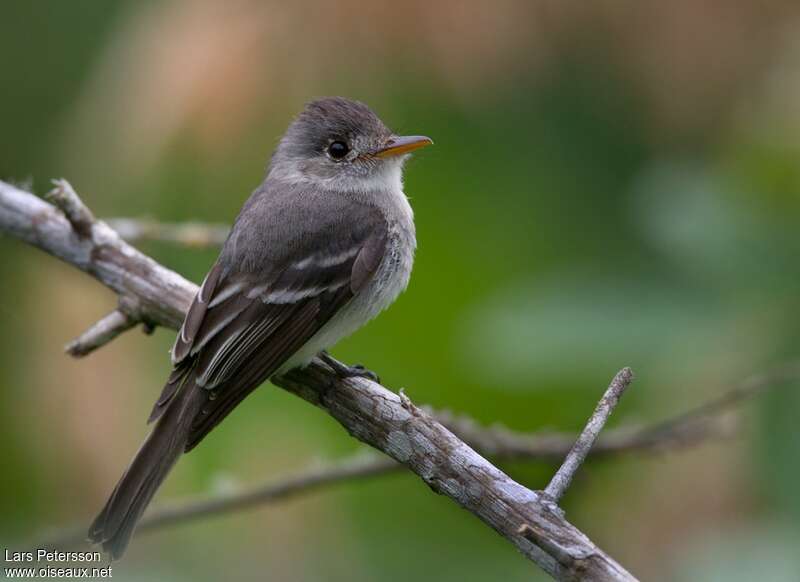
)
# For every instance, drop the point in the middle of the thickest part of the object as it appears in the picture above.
(289, 336)
(245, 324)
(196, 315)
(368, 260)
(180, 374)
(259, 340)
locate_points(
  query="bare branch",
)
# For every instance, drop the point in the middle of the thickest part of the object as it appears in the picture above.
(367, 410)
(156, 295)
(357, 467)
(412, 437)
(703, 422)
(190, 234)
(78, 214)
(100, 334)
(563, 477)
(161, 294)
(700, 423)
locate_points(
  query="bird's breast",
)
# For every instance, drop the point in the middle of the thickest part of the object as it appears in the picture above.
(389, 280)
(394, 271)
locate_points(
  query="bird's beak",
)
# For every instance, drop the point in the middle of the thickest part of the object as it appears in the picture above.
(403, 145)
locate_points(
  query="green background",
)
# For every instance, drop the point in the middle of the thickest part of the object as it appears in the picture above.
(612, 184)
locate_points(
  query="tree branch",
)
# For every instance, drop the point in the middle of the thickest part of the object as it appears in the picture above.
(391, 423)
(190, 234)
(703, 422)
(153, 293)
(34, 221)
(100, 334)
(367, 410)
(563, 477)
(357, 467)
(66, 200)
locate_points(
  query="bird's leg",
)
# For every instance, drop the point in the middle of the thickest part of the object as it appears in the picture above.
(344, 371)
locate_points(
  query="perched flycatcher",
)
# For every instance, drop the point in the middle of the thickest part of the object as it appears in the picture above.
(321, 247)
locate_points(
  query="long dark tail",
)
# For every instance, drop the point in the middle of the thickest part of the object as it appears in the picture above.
(115, 524)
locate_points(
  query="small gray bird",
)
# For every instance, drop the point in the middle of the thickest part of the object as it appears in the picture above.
(320, 248)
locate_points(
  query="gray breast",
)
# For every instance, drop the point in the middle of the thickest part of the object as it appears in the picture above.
(390, 279)
(394, 272)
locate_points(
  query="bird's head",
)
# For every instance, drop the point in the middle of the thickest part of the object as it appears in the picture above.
(336, 143)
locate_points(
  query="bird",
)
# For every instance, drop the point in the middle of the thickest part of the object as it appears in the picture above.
(323, 244)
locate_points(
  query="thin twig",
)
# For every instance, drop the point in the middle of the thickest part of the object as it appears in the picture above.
(102, 332)
(357, 467)
(190, 234)
(68, 201)
(563, 477)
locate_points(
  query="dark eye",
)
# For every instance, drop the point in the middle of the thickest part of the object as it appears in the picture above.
(338, 149)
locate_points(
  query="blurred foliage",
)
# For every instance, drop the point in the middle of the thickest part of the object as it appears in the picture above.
(609, 187)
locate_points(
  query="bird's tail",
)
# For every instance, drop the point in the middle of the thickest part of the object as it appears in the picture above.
(115, 524)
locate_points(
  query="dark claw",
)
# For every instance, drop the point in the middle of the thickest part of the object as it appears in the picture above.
(345, 371)
(359, 370)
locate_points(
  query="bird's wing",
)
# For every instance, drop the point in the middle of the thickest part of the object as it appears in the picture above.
(242, 326)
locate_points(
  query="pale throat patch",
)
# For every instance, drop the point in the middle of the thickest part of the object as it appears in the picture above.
(388, 176)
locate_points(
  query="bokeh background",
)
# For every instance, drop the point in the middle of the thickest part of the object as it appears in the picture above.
(613, 183)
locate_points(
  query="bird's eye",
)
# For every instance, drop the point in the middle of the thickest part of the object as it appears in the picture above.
(338, 149)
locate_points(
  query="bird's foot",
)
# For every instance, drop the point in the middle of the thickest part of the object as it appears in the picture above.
(344, 371)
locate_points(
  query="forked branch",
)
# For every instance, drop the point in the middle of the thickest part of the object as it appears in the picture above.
(151, 294)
